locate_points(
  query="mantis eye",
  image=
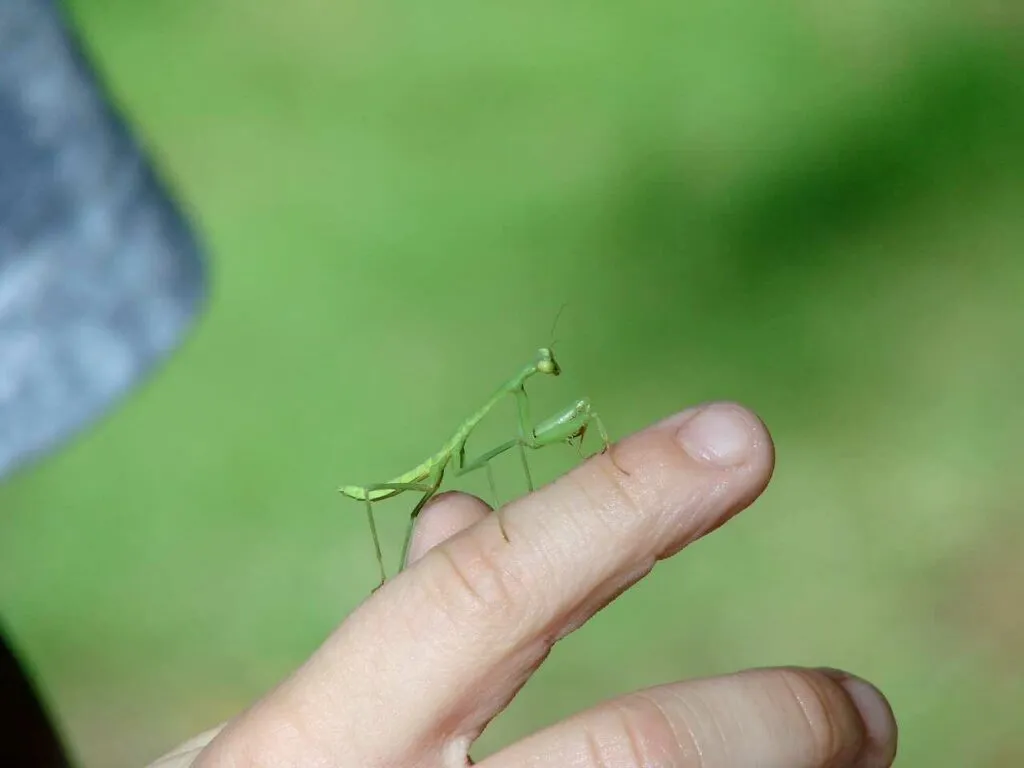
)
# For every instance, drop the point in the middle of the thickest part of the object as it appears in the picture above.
(546, 362)
(549, 367)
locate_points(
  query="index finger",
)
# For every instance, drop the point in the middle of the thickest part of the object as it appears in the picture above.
(581, 540)
(440, 649)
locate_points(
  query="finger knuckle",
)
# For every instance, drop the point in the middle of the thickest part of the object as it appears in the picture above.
(637, 732)
(472, 584)
(610, 501)
(657, 487)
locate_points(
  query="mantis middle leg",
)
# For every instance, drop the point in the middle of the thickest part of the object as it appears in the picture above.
(564, 427)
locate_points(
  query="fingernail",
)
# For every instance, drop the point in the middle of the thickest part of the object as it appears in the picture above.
(719, 435)
(877, 716)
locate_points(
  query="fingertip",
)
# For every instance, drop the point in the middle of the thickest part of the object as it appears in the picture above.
(876, 715)
(723, 435)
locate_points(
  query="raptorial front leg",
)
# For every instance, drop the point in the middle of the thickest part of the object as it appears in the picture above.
(564, 427)
(572, 424)
(605, 439)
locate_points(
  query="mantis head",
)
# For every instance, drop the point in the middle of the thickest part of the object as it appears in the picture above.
(546, 362)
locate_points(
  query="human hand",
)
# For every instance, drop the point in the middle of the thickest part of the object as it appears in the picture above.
(414, 675)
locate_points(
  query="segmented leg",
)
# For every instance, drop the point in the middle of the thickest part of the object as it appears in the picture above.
(367, 490)
(564, 427)
(427, 496)
(462, 469)
(527, 433)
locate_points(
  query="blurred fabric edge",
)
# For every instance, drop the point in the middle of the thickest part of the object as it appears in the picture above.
(100, 274)
(101, 277)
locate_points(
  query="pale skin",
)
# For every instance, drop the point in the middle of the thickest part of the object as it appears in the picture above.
(412, 677)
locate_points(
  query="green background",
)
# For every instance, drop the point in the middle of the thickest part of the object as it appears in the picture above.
(810, 207)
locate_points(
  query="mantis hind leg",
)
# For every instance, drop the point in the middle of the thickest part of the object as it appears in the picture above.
(376, 542)
(367, 490)
(428, 493)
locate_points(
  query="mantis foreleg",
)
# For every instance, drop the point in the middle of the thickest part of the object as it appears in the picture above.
(563, 427)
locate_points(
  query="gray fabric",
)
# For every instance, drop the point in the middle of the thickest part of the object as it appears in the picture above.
(100, 276)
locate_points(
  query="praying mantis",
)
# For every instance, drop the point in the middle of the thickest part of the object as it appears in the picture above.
(564, 427)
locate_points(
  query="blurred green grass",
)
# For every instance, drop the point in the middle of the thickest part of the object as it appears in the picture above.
(811, 209)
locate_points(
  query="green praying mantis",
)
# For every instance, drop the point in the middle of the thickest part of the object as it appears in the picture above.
(565, 426)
